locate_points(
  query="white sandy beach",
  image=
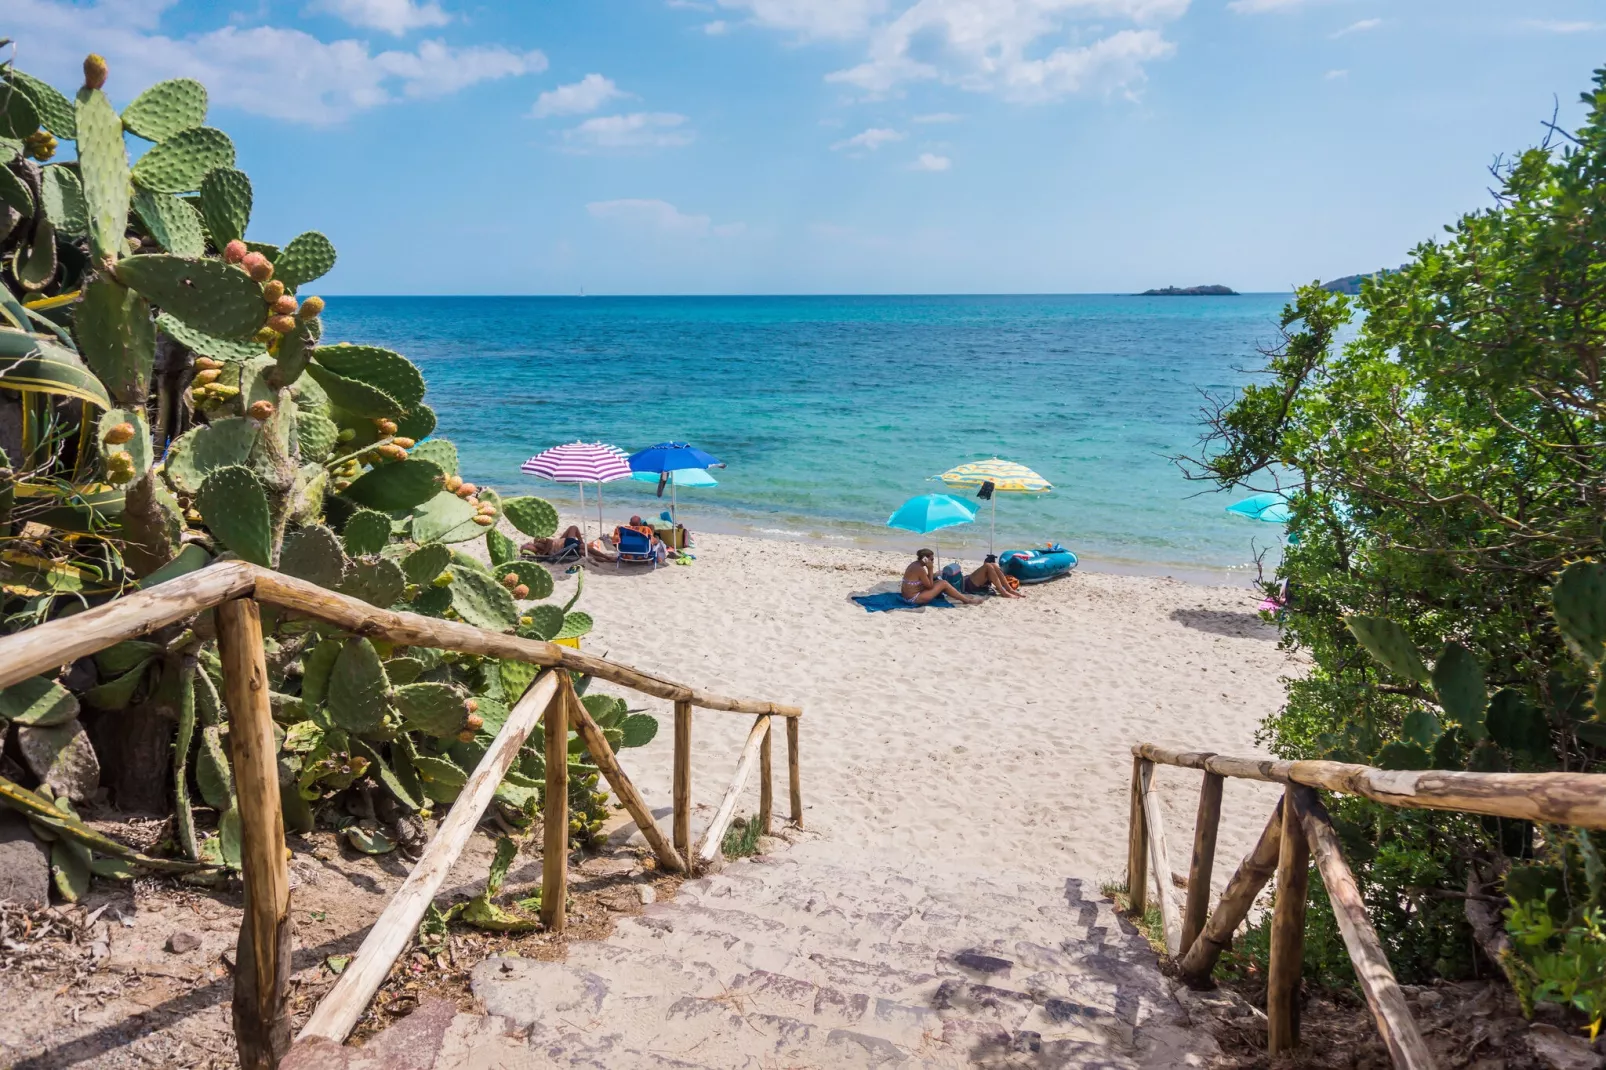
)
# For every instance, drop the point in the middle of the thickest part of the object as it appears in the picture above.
(992, 738)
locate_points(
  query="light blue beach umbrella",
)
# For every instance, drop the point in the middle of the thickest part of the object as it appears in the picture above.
(1271, 508)
(928, 513)
(680, 477)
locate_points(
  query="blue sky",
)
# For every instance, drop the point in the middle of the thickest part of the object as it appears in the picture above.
(804, 146)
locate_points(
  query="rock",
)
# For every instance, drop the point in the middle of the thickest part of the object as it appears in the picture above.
(648, 893)
(24, 863)
(62, 757)
(1561, 1051)
(183, 942)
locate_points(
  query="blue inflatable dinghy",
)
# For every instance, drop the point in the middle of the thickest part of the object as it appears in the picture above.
(1036, 566)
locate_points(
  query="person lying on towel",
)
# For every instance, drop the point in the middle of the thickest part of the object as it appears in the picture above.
(989, 575)
(921, 586)
(554, 545)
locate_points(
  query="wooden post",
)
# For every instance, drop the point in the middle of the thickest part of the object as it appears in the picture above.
(765, 799)
(1251, 876)
(1137, 844)
(1203, 864)
(262, 957)
(793, 776)
(397, 926)
(714, 835)
(1287, 932)
(555, 812)
(1394, 1022)
(683, 777)
(1160, 864)
(622, 787)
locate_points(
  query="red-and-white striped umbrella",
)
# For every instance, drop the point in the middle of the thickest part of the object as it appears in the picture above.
(581, 463)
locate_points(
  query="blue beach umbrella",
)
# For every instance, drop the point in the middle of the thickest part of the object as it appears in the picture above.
(1271, 508)
(667, 457)
(929, 513)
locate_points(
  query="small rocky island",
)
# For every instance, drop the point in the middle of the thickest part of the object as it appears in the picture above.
(1191, 291)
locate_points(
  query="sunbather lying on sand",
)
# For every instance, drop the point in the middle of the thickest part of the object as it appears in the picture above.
(990, 575)
(921, 586)
(554, 545)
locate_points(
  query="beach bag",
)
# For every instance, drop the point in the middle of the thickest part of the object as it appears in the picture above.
(952, 573)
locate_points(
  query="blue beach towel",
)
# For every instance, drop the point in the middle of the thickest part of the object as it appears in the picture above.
(890, 600)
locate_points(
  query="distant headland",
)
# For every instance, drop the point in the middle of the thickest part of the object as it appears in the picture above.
(1191, 291)
(1351, 284)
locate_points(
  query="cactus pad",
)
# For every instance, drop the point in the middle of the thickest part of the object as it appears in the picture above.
(437, 451)
(425, 563)
(226, 204)
(516, 677)
(390, 372)
(18, 116)
(207, 345)
(196, 453)
(532, 574)
(546, 621)
(481, 600)
(117, 338)
(295, 349)
(38, 700)
(1579, 596)
(1388, 644)
(1458, 681)
(434, 709)
(443, 778)
(315, 434)
(500, 548)
(432, 601)
(55, 111)
(358, 399)
(166, 108)
(416, 423)
(173, 223)
(575, 624)
(208, 295)
(212, 771)
(313, 554)
(358, 694)
(63, 195)
(178, 163)
(308, 256)
(366, 532)
(15, 194)
(396, 487)
(445, 518)
(379, 583)
(235, 508)
(137, 448)
(534, 516)
(34, 264)
(103, 169)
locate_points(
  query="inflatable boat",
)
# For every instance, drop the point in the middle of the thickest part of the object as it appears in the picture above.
(1037, 565)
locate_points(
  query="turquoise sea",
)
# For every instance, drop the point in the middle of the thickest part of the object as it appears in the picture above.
(830, 411)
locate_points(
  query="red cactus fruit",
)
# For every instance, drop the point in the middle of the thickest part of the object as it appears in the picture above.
(235, 252)
(466, 736)
(466, 490)
(94, 71)
(205, 376)
(261, 410)
(281, 324)
(404, 443)
(207, 363)
(471, 704)
(511, 580)
(272, 290)
(285, 306)
(386, 427)
(521, 591)
(257, 266)
(484, 521)
(453, 482)
(311, 308)
(116, 436)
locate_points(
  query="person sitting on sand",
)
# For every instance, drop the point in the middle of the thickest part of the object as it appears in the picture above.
(920, 586)
(636, 524)
(555, 545)
(990, 576)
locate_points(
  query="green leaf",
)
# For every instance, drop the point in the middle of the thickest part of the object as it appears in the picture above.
(366, 532)
(1458, 682)
(166, 108)
(70, 868)
(235, 508)
(533, 516)
(42, 366)
(358, 688)
(177, 163)
(38, 700)
(40, 810)
(396, 487)
(1579, 596)
(1389, 646)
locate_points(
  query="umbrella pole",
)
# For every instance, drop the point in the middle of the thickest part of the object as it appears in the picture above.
(599, 509)
(582, 487)
(992, 527)
(674, 510)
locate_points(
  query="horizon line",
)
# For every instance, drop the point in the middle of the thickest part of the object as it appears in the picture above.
(826, 293)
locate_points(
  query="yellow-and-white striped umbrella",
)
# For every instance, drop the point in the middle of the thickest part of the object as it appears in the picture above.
(1007, 477)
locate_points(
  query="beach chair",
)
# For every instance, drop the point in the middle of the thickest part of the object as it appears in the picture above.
(573, 550)
(635, 548)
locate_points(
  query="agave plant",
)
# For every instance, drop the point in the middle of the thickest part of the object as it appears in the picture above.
(167, 399)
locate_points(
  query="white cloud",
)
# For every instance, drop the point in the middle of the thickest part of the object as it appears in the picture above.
(930, 161)
(869, 140)
(281, 73)
(939, 117)
(812, 18)
(661, 217)
(1260, 7)
(392, 16)
(716, 28)
(637, 130)
(1559, 26)
(577, 98)
(1333, 76)
(1357, 27)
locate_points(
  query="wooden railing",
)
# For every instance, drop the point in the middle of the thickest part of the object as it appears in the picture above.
(1299, 830)
(262, 972)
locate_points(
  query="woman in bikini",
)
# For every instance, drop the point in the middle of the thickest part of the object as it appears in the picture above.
(920, 586)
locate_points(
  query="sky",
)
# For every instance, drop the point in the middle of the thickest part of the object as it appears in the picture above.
(849, 146)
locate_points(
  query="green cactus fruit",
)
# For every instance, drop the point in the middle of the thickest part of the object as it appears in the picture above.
(207, 345)
(308, 256)
(226, 204)
(235, 508)
(178, 163)
(212, 772)
(501, 548)
(117, 338)
(390, 372)
(359, 692)
(416, 423)
(315, 435)
(198, 452)
(516, 677)
(103, 171)
(39, 701)
(439, 452)
(379, 583)
(55, 111)
(1458, 682)
(63, 197)
(444, 518)
(1389, 646)
(546, 621)
(208, 295)
(1579, 597)
(531, 574)
(396, 487)
(358, 399)
(425, 563)
(482, 601)
(15, 193)
(166, 108)
(435, 709)
(137, 448)
(18, 116)
(173, 223)
(313, 554)
(33, 264)
(366, 532)
(533, 516)
(575, 625)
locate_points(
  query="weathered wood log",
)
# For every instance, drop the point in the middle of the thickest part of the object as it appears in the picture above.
(262, 960)
(1287, 932)
(1489, 929)
(1160, 864)
(714, 835)
(47, 647)
(765, 787)
(634, 804)
(411, 629)
(1551, 798)
(1247, 881)
(682, 794)
(397, 926)
(1202, 866)
(794, 776)
(1137, 844)
(555, 809)
(1398, 1029)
